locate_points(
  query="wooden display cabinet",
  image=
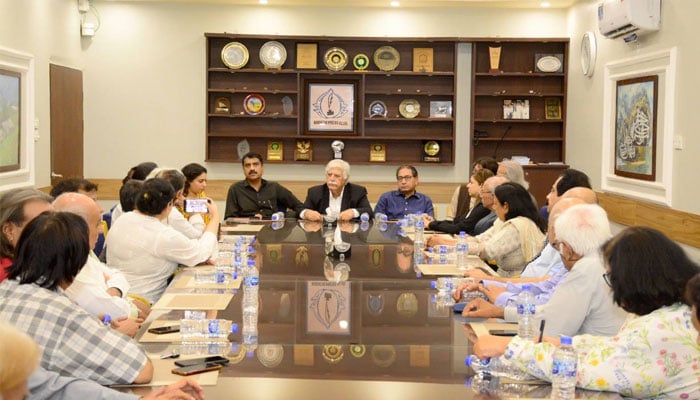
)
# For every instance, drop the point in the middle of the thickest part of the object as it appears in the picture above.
(404, 137)
(542, 135)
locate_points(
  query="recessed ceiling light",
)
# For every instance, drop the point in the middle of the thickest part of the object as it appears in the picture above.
(263, 1)
(545, 4)
(395, 4)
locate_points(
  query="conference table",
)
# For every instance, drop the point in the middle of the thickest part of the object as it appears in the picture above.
(344, 312)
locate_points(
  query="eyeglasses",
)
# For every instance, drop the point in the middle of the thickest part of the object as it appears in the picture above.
(485, 192)
(558, 246)
(607, 278)
(404, 178)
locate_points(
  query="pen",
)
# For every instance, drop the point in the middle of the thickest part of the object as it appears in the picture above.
(170, 355)
(541, 331)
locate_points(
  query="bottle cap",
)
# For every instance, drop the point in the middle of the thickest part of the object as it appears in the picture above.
(565, 340)
(107, 319)
(234, 328)
(527, 286)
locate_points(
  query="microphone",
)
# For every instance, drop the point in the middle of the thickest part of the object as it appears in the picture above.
(498, 144)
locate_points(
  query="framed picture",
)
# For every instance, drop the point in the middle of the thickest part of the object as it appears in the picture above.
(635, 127)
(330, 106)
(10, 119)
(552, 108)
(516, 109)
(328, 306)
(307, 55)
(440, 109)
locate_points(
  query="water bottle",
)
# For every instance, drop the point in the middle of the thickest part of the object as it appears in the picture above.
(493, 386)
(380, 217)
(419, 229)
(526, 313)
(364, 217)
(564, 366)
(204, 328)
(462, 250)
(250, 322)
(278, 216)
(495, 366)
(251, 280)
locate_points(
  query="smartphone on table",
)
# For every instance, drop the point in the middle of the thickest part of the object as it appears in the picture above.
(197, 369)
(204, 360)
(196, 205)
(164, 329)
(503, 332)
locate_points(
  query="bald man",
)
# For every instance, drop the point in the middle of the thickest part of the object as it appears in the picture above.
(97, 288)
(583, 193)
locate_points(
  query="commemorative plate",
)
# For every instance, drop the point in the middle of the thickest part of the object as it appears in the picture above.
(254, 104)
(335, 59)
(549, 64)
(409, 108)
(387, 58)
(234, 55)
(377, 108)
(273, 54)
(360, 62)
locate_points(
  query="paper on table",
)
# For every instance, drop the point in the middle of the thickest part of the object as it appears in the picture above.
(193, 301)
(242, 228)
(451, 269)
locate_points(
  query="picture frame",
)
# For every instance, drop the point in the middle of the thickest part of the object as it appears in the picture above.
(552, 108)
(330, 107)
(10, 120)
(440, 109)
(516, 109)
(307, 56)
(327, 304)
(636, 104)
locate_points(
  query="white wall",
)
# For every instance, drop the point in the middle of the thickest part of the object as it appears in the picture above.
(49, 31)
(145, 75)
(585, 117)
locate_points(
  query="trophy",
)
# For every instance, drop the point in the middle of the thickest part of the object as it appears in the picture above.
(337, 147)
(303, 151)
(494, 59)
(431, 151)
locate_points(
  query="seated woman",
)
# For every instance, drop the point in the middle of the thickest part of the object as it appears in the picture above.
(466, 222)
(17, 208)
(656, 352)
(191, 226)
(146, 250)
(514, 239)
(516, 174)
(51, 251)
(195, 183)
(458, 206)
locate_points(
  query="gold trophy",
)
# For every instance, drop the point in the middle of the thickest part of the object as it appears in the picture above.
(303, 151)
(494, 59)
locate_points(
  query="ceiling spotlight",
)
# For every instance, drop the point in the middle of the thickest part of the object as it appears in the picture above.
(263, 1)
(545, 4)
(395, 3)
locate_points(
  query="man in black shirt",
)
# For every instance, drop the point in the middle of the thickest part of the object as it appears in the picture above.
(256, 197)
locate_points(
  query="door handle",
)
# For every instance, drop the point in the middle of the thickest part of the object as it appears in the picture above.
(55, 175)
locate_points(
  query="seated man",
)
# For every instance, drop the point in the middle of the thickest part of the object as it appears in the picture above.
(399, 203)
(256, 197)
(582, 303)
(337, 199)
(98, 289)
(504, 294)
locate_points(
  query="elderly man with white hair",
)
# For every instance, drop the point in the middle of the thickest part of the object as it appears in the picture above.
(582, 303)
(337, 199)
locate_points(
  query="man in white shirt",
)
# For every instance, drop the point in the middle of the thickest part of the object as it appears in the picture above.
(98, 289)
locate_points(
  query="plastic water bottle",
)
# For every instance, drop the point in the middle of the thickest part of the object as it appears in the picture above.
(278, 216)
(564, 366)
(205, 328)
(419, 229)
(495, 366)
(364, 217)
(251, 281)
(381, 217)
(526, 313)
(250, 322)
(462, 250)
(493, 386)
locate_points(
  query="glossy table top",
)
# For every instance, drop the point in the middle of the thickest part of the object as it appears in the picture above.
(339, 322)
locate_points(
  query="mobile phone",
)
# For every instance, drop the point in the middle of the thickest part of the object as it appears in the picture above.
(165, 329)
(196, 369)
(196, 205)
(503, 332)
(458, 307)
(204, 360)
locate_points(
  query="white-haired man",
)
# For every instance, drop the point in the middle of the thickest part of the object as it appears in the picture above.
(337, 199)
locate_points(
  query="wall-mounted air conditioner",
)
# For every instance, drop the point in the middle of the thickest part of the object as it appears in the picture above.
(628, 18)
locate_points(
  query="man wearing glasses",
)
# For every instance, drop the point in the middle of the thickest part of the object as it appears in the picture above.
(405, 200)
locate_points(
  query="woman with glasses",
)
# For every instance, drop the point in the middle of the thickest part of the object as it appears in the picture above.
(476, 211)
(148, 251)
(656, 352)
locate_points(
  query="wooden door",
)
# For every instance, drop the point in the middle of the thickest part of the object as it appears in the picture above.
(66, 85)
